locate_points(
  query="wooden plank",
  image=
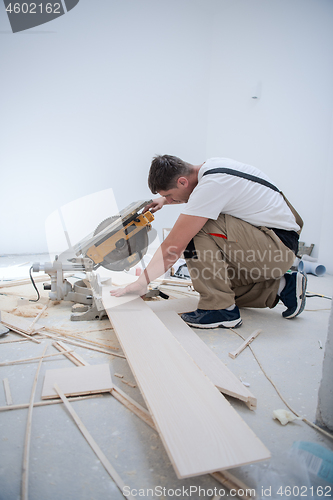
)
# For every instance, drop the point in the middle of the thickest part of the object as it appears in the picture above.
(198, 427)
(80, 380)
(8, 395)
(22, 324)
(206, 359)
(234, 354)
(187, 304)
(92, 443)
(26, 451)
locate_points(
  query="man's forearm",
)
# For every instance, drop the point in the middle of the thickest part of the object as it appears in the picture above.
(163, 259)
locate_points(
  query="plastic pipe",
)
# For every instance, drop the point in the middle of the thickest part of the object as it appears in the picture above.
(311, 268)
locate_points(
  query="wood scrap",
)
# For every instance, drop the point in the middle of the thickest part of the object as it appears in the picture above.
(206, 359)
(234, 354)
(179, 394)
(47, 402)
(100, 455)
(70, 354)
(27, 360)
(233, 483)
(37, 318)
(128, 383)
(80, 344)
(26, 451)
(119, 375)
(27, 281)
(133, 406)
(19, 323)
(10, 341)
(80, 338)
(28, 337)
(76, 381)
(8, 395)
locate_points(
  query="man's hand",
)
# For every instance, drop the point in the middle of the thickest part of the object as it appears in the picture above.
(136, 288)
(155, 205)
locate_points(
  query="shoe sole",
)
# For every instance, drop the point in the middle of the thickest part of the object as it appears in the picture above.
(301, 284)
(225, 324)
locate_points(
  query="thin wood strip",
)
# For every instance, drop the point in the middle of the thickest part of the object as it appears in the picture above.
(26, 451)
(27, 360)
(48, 402)
(133, 406)
(78, 337)
(10, 341)
(65, 353)
(8, 395)
(26, 281)
(79, 344)
(18, 322)
(74, 357)
(96, 449)
(37, 317)
(234, 354)
(232, 483)
(127, 383)
(198, 427)
(16, 330)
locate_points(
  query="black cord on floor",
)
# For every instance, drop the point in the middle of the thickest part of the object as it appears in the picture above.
(34, 285)
(309, 295)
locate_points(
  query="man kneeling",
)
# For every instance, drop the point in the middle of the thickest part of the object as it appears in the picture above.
(239, 235)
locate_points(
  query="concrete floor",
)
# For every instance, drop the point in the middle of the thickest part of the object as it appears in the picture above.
(62, 465)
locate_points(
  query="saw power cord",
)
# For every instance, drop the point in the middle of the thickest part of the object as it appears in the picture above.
(327, 434)
(34, 285)
(309, 295)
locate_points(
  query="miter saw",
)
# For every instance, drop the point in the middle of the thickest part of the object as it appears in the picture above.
(118, 243)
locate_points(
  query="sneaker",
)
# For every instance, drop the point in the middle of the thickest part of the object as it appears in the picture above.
(222, 318)
(293, 294)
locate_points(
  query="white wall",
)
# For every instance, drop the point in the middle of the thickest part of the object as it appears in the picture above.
(88, 99)
(287, 46)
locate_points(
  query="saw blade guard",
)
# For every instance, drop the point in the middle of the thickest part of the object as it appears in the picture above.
(120, 242)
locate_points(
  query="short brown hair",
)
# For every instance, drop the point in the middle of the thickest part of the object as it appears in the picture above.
(164, 172)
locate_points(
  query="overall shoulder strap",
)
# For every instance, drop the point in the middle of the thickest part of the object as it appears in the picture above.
(253, 178)
(237, 173)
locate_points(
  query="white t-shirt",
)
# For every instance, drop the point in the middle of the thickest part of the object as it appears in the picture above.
(247, 200)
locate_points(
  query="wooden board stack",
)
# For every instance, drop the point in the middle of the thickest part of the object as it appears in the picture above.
(199, 428)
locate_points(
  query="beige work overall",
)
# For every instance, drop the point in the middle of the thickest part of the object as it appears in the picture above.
(237, 263)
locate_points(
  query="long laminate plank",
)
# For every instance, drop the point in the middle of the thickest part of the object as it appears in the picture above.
(206, 359)
(199, 428)
(185, 304)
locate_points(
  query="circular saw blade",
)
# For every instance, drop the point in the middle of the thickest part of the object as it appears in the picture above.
(127, 252)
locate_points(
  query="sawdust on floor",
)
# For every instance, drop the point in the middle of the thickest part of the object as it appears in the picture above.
(29, 311)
